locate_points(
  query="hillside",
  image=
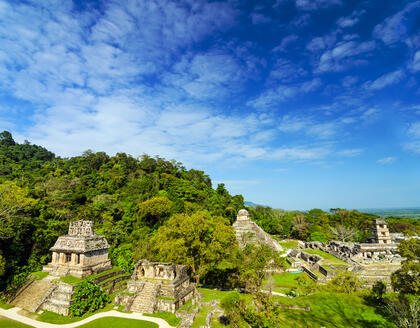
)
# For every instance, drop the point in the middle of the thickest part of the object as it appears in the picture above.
(127, 198)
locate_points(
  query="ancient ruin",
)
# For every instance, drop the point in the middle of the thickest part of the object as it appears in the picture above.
(373, 260)
(80, 253)
(248, 231)
(380, 232)
(157, 287)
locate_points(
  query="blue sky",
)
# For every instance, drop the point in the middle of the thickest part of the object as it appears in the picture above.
(295, 104)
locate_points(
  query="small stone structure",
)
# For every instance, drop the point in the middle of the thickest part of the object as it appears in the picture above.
(156, 286)
(248, 231)
(80, 253)
(380, 232)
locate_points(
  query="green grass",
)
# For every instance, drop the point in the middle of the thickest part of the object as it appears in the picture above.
(5, 305)
(71, 280)
(40, 275)
(75, 281)
(289, 244)
(7, 323)
(286, 280)
(166, 298)
(186, 306)
(167, 316)
(330, 259)
(55, 318)
(212, 294)
(331, 310)
(200, 319)
(112, 278)
(119, 322)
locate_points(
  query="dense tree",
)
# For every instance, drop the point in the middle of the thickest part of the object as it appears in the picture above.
(341, 233)
(127, 198)
(198, 240)
(407, 279)
(14, 206)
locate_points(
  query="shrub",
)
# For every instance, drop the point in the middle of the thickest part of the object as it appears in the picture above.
(88, 297)
(123, 257)
(344, 282)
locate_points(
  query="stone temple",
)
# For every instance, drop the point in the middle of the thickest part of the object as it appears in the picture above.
(80, 253)
(374, 260)
(248, 231)
(156, 286)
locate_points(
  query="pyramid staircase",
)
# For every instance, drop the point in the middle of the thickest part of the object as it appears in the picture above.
(146, 300)
(29, 298)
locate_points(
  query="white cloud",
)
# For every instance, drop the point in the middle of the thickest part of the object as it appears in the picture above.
(310, 5)
(258, 18)
(286, 71)
(387, 160)
(300, 153)
(350, 152)
(272, 97)
(414, 130)
(386, 80)
(350, 20)
(288, 40)
(413, 147)
(341, 56)
(416, 61)
(308, 126)
(320, 43)
(396, 27)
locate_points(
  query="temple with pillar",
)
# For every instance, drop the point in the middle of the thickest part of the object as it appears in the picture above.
(80, 253)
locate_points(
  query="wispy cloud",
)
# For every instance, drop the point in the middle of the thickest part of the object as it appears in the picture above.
(387, 160)
(271, 98)
(344, 55)
(351, 20)
(310, 5)
(385, 80)
(350, 152)
(397, 27)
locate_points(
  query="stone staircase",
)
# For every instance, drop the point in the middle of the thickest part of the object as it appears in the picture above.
(248, 231)
(145, 301)
(61, 272)
(60, 299)
(28, 298)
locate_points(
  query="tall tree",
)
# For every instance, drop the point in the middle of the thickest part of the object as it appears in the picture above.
(14, 205)
(198, 240)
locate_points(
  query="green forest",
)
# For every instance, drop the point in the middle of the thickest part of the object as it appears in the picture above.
(146, 208)
(156, 209)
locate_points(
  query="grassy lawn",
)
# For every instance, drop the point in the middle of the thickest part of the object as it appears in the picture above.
(167, 316)
(212, 294)
(7, 323)
(331, 310)
(329, 259)
(5, 306)
(74, 280)
(289, 244)
(55, 318)
(40, 275)
(200, 319)
(71, 280)
(286, 280)
(119, 322)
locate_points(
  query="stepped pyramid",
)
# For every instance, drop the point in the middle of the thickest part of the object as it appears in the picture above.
(248, 231)
(146, 300)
